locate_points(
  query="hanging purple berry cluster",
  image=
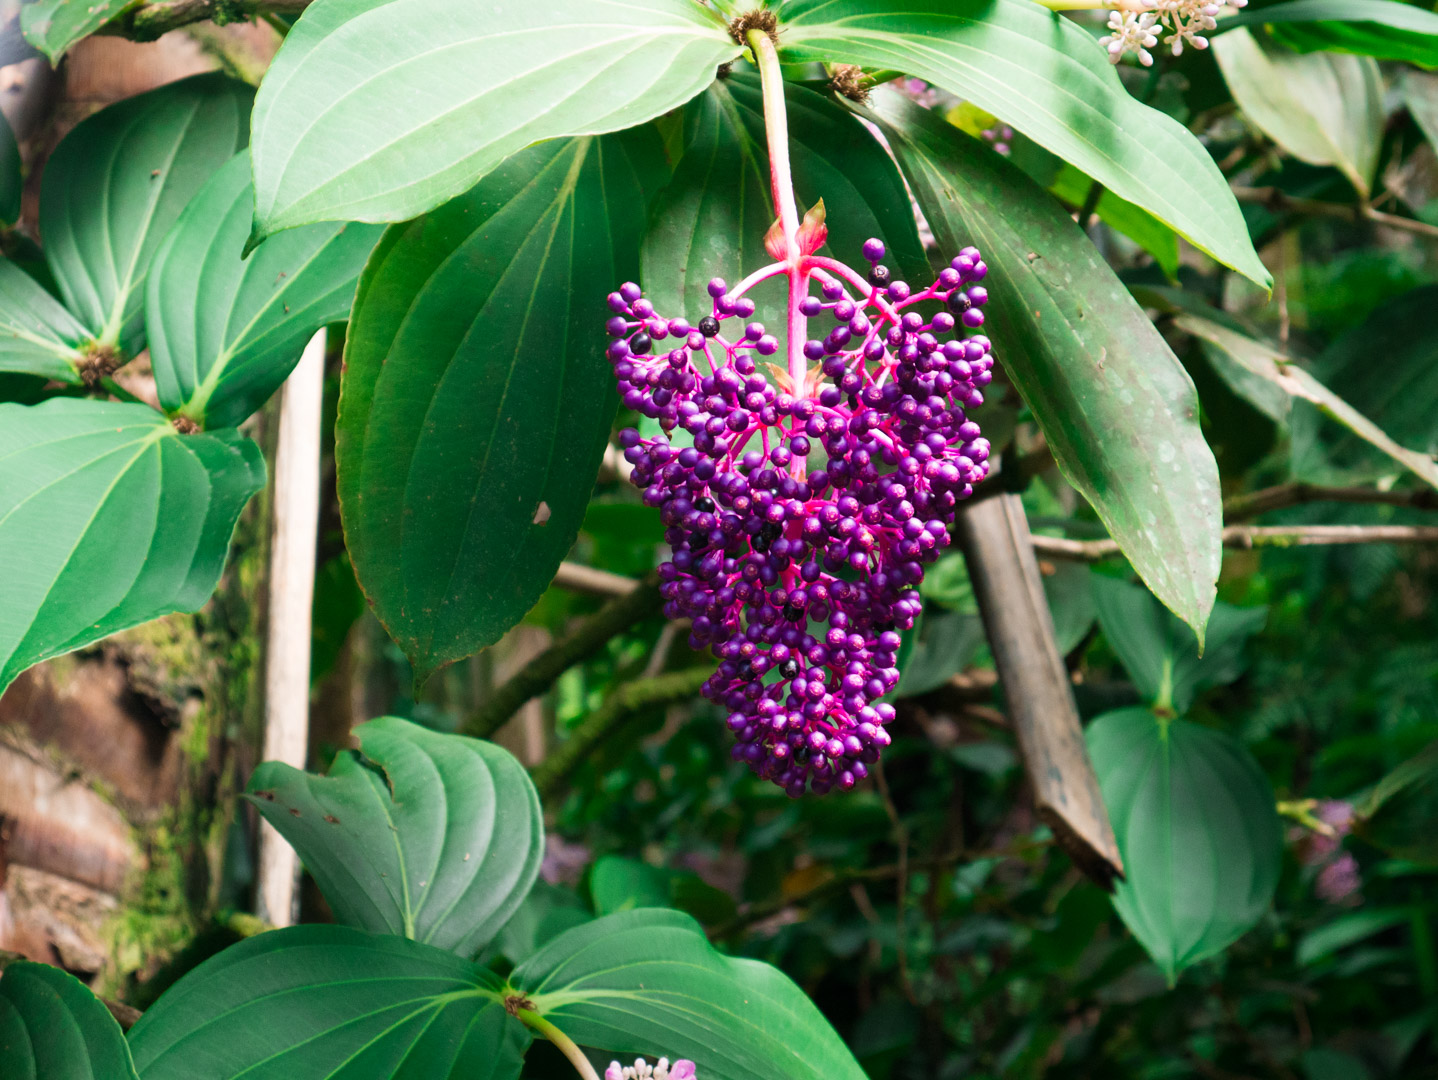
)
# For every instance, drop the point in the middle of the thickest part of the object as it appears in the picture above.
(801, 511)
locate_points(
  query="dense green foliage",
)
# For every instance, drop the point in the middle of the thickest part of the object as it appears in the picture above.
(1262, 717)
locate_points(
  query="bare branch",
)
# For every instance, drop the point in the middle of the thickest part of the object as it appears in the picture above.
(1254, 503)
(1279, 201)
(586, 579)
(1253, 536)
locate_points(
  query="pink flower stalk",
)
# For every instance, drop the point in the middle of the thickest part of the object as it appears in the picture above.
(802, 509)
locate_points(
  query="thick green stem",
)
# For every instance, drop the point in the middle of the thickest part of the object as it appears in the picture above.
(562, 1042)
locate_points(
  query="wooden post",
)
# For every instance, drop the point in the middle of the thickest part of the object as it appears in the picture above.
(994, 534)
(291, 594)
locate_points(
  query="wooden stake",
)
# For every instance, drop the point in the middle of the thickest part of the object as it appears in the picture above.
(999, 552)
(291, 594)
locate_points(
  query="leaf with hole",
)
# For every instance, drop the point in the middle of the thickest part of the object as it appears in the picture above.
(1044, 76)
(362, 118)
(52, 26)
(1118, 410)
(1160, 653)
(225, 332)
(436, 837)
(53, 1028)
(1323, 108)
(1382, 29)
(712, 217)
(476, 404)
(115, 185)
(648, 982)
(1196, 824)
(330, 1001)
(109, 518)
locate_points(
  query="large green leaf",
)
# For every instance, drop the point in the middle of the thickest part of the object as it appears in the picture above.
(1384, 339)
(1197, 828)
(37, 334)
(1042, 74)
(1136, 223)
(225, 332)
(477, 400)
(52, 26)
(947, 641)
(1420, 95)
(364, 117)
(329, 1001)
(711, 219)
(1398, 815)
(647, 981)
(108, 518)
(1117, 408)
(1160, 654)
(436, 837)
(115, 185)
(1323, 108)
(1379, 28)
(53, 1028)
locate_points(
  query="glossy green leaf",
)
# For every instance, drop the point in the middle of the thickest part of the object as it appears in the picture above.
(543, 915)
(1042, 74)
(711, 219)
(1265, 362)
(1383, 29)
(648, 982)
(1159, 652)
(436, 837)
(1117, 408)
(1398, 815)
(1323, 108)
(362, 117)
(109, 518)
(329, 1001)
(12, 184)
(619, 884)
(52, 26)
(53, 1028)
(477, 400)
(1145, 230)
(225, 332)
(117, 182)
(1196, 825)
(37, 334)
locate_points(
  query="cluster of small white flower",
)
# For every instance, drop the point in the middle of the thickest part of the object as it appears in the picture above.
(641, 1070)
(1135, 28)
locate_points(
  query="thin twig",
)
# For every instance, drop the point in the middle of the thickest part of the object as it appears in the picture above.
(539, 674)
(576, 577)
(1278, 201)
(1251, 504)
(1254, 536)
(553, 773)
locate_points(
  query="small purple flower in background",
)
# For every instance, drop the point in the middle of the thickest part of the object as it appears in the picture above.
(1339, 880)
(800, 579)
(1000, 137)
(662, 1070)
